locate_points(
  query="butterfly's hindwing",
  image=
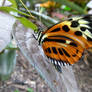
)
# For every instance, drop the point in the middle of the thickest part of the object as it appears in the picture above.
(59, 49)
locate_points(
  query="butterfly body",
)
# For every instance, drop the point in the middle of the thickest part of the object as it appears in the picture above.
(65, 42)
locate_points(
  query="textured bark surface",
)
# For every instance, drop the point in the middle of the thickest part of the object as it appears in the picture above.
(83, 74)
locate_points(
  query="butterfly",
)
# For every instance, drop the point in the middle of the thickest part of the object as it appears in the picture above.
(65, 42)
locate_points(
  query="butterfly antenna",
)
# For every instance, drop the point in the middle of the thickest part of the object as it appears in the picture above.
(34, 36)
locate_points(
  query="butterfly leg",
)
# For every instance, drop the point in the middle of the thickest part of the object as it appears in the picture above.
(58, 68)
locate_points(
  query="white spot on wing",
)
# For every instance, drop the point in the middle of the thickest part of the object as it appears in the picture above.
(84, 36)
(65, 64)
(55, 62)
(76, 18)
(44, 36)
(59, 63)
(81, 21)
(88, 33)
(68, 42)
(83, 25)
(39, 36)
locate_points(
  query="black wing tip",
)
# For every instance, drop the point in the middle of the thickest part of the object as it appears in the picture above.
(58, 64)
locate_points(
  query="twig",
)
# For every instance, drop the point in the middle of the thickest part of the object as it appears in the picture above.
(44, 17)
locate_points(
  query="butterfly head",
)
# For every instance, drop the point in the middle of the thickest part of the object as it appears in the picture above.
(39, 36)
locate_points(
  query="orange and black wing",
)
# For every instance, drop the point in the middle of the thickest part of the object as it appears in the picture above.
(65, 42)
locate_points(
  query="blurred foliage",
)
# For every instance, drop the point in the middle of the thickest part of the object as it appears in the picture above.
(14, 4)
(8, 55)
(29, 3)
(50, 4)
(81, 3)
(74, 4)
(47, 7)
(15, 12)
(7, 63)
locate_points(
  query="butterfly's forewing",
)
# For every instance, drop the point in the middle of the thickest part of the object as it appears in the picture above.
(65, 42)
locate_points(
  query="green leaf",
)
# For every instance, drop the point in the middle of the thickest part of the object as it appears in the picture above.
(27, 23)
(7, 63)
(30, 90)
(14, 5)
(13, 11)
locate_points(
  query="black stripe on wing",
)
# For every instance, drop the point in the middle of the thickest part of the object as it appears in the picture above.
(54, 40)
(61, 36)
